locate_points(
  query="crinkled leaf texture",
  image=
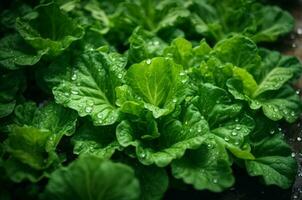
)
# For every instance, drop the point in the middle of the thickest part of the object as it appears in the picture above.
(89, 83)
(33, 140)
(144, 45)
(162, 17)
(154, 84)
(103, 180)
(207, 167)
(226, 120)
(217, 20)
(15, 52)
(261, 83)
(96, 140)
(173, 138)
(48, 28)
(273, 162)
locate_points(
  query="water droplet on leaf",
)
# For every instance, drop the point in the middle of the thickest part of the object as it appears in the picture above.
(74, 92)
(88, 109)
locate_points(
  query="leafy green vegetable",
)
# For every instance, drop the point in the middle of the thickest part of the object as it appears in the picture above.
(218, 19)
(103, 180)
(273, 162)
(170, 140)
(14, 52)
(127, 99)
(90, 84)
(48, 29)
(33, 139)
(99, 141)
(157, 85)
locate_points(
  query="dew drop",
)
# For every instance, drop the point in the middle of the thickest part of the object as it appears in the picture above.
(66, 94)
(184, 81)
(226, 139)
(276, 109)
(156, 42)
(234, 133)
(236, 143)
(236, 120)
(272, 132)
(143, 155)
(120, 76)
(148, 61)
(74, 92)
(293, 154)
(299, 139)
(299, 31)
(88, 109)
(215, 180)
(182, 73)
(238, 128)
(298, 92)
(174, 100)
(74, 77)
(90, 103)
(199, 130)
(100, 115)
(210, 146)
(292, 114)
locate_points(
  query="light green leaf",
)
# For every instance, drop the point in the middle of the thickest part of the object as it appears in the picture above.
(158, 83)
(276, 105)
(183, 53)
(144, 45)
(238, 50)
(117, 181)
(28, 145)
(274, 80)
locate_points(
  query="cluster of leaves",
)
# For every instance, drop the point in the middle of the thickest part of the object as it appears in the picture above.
(117, 84)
